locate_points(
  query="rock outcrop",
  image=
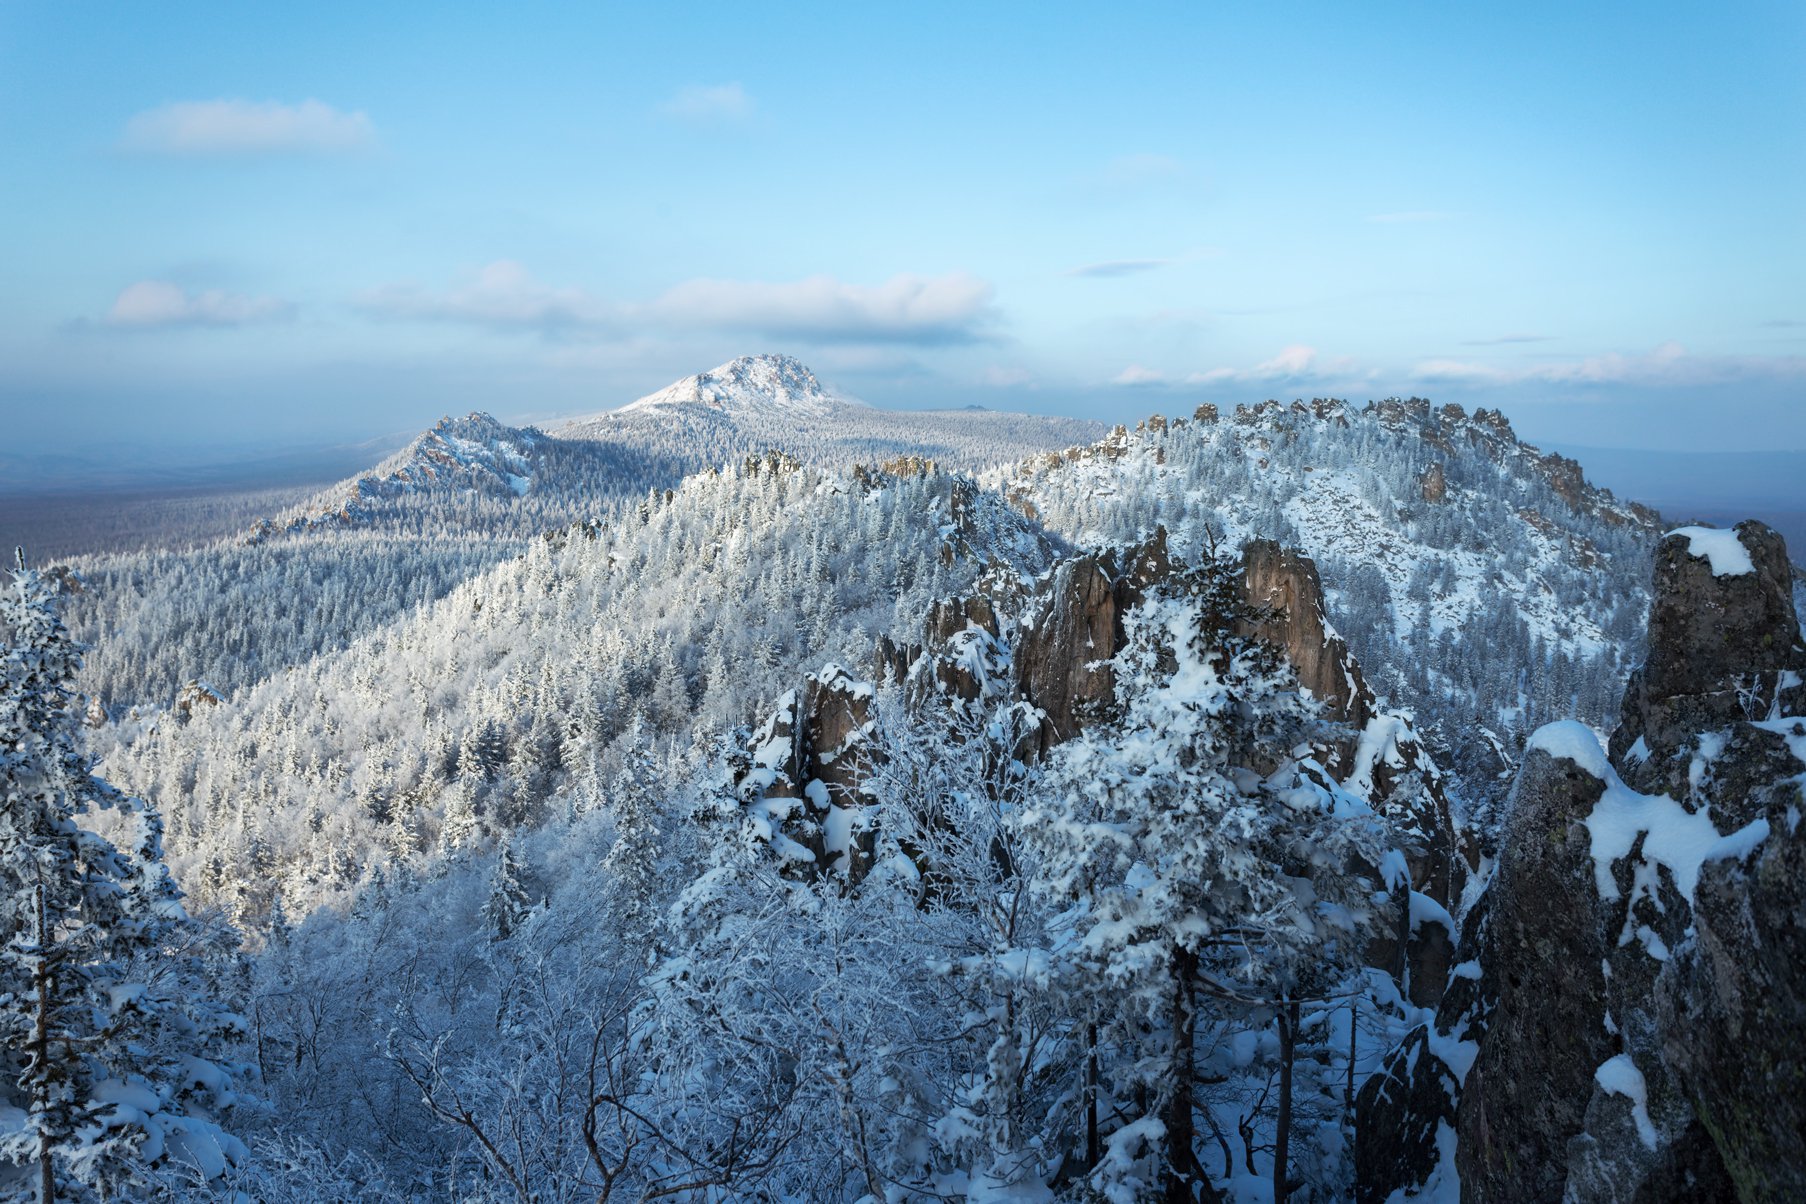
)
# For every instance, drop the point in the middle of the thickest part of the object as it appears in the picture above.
(197, 695)
(1645, 954)
(1066, 641)
(1284, 588)
(1527, 1094)
(1732, 1007)
(1724, 645)
(1377, 755)
(1434, 484)
(803, 776)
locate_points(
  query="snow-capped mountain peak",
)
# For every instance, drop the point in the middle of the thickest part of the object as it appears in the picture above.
(749, 385)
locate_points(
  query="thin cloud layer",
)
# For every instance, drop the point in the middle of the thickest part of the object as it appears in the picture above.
(1135, 374)
(710, 103)
(502, 295)
(1669, 364)
(1505, 339)
(955, 308)
(1118, 267)
(149, 304)
(1409, 217)
(244, 127)
(1296, 362)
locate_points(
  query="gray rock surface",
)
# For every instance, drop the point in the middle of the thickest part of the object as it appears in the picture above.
(1644, 1038)
(1721, 649)
(1526, 1096)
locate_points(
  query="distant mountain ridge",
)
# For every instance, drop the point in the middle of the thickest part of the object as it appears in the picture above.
(480, 475)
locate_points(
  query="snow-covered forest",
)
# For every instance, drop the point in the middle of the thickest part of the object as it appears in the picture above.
(719, 805)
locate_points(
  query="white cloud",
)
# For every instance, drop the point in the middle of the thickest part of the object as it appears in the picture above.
(955, 308)
(710, 103)
(1135, 374)
(1292, 363)
(1118, 267)
(238, 127)
(154, 303)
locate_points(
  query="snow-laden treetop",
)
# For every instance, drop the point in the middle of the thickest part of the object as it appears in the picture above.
(752, 384)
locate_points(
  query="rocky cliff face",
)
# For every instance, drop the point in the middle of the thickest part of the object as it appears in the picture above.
(802, 778)
(1075, 627)
(1644, 950)
(1047, 653)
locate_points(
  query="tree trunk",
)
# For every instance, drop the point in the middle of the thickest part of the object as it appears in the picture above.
(1282, 1138)
(40, 1046)
(1092, 1150)
(1184, 1176)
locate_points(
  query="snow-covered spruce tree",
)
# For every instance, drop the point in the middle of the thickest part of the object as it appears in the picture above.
(1205, 860)
(509, 902)
(108, 1078)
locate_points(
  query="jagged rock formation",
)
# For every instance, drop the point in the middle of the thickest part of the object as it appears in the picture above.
(1381, 759)
(1284, 584)
(1732, 1005)
(1643, 951)
(193, 696)
(803, 782)
(1068, 638)
(1724, 646)
(1434, 484)
(1438, 614)
(1050, 652)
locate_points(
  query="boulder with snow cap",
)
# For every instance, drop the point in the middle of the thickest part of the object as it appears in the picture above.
(1648, 918)
(1724, 645)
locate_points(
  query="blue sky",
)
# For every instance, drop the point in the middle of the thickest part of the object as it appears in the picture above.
(232, 224)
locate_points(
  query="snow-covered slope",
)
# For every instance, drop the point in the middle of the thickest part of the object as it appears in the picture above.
(754, 403)
(750, 385)
(553, 716)
(1480, 581)
(678, 621)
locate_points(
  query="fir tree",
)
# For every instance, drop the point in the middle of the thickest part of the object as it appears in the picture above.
(110, 1079)
(1202, 857)
(509, 902)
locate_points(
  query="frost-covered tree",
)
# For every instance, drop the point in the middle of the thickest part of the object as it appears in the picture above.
(113, 1075)
(1205, 861)
(509, 901)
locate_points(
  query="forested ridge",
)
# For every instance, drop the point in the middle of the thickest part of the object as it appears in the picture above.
(1103, 825)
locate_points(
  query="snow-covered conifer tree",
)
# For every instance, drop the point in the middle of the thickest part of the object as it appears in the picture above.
(509, 902)
(110, 1043)
(1201, 855)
